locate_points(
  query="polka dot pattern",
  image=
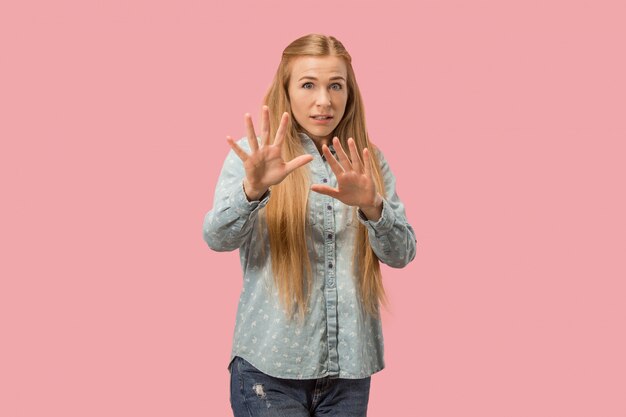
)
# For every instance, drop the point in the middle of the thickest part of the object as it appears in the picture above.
(337, 337)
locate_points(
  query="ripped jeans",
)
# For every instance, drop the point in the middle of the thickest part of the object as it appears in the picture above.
(254, 393)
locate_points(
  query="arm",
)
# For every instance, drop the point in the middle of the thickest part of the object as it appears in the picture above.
(232, 217)
(392, 238)
(256, 165)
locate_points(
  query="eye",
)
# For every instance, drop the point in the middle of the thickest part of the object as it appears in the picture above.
(305, 85)
(338, 85)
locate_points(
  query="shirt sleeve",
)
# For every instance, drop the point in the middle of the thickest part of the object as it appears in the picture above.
(227, 225)
(391, 237)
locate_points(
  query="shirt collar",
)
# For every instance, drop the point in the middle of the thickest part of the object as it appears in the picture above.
(310, 145)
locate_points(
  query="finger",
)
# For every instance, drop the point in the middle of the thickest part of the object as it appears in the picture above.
(354, 154)
(282, 129)
(297, 162)
(325, 189)
(343, 158)
(367, 162)
(265, 126)
(334, 165)
(237, 149)
(252, 140)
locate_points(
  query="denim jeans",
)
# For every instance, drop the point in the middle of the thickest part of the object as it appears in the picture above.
(254, 393)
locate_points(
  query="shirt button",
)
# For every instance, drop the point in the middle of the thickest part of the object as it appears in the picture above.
(330, 265)
(329, 207)
(325, 180)
(330, 235)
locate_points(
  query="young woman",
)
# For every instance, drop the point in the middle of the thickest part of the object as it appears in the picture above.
(311, 205)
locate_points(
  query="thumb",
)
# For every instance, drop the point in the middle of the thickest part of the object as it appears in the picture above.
(325, 189)
(297, 162)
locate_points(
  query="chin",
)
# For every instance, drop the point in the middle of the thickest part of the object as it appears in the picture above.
(320, 132)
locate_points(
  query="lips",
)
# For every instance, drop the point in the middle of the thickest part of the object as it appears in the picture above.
(324, 116)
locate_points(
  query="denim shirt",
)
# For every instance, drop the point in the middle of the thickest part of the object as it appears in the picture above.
(337, 337)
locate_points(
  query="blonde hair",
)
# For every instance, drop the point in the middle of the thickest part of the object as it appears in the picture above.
(286, 211)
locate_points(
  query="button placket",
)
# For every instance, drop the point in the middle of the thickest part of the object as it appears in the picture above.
(329, 237)
(325, 209)
(330, 287)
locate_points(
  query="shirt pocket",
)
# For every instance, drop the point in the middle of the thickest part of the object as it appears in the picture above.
(349, 215)
(314, 211)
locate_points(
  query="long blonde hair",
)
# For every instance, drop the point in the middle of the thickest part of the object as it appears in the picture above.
(286, 211)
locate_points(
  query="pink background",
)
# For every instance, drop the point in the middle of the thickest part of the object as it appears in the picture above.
(504, 122)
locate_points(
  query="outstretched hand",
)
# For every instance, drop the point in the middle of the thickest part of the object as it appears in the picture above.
(355, 184)
(265, 165)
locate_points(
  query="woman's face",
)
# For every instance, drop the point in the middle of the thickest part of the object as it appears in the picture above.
(318, 87)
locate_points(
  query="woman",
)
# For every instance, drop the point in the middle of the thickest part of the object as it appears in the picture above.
(311, 206)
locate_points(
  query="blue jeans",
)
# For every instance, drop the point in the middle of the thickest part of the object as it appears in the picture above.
(254, 393)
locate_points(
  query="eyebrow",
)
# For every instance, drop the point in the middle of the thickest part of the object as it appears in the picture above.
(337, 77)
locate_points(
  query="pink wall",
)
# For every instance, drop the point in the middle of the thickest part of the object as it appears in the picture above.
(503, 122)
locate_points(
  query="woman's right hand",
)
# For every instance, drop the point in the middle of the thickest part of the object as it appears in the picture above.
(265, 165)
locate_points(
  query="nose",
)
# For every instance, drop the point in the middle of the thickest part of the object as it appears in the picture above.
(323, 98)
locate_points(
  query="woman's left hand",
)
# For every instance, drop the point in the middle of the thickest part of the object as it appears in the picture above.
(355, 184)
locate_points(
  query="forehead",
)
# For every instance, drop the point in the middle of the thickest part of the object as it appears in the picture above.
(318, 66)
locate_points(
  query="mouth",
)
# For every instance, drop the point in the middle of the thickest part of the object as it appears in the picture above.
(321, 119)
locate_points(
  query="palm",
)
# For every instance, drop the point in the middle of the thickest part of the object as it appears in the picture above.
(355, 188)
(264, 165)
(355, 184)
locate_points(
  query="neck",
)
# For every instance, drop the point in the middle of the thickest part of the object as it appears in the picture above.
(320, 141)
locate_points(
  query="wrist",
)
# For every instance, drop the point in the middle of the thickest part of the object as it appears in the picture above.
(375, 210)
(376, 204)
(252, 193)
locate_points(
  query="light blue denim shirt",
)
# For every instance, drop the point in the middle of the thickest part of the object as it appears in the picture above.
(337, 338)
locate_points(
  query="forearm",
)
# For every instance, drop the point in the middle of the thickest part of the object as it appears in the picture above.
(392, 239)
(229, 223)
